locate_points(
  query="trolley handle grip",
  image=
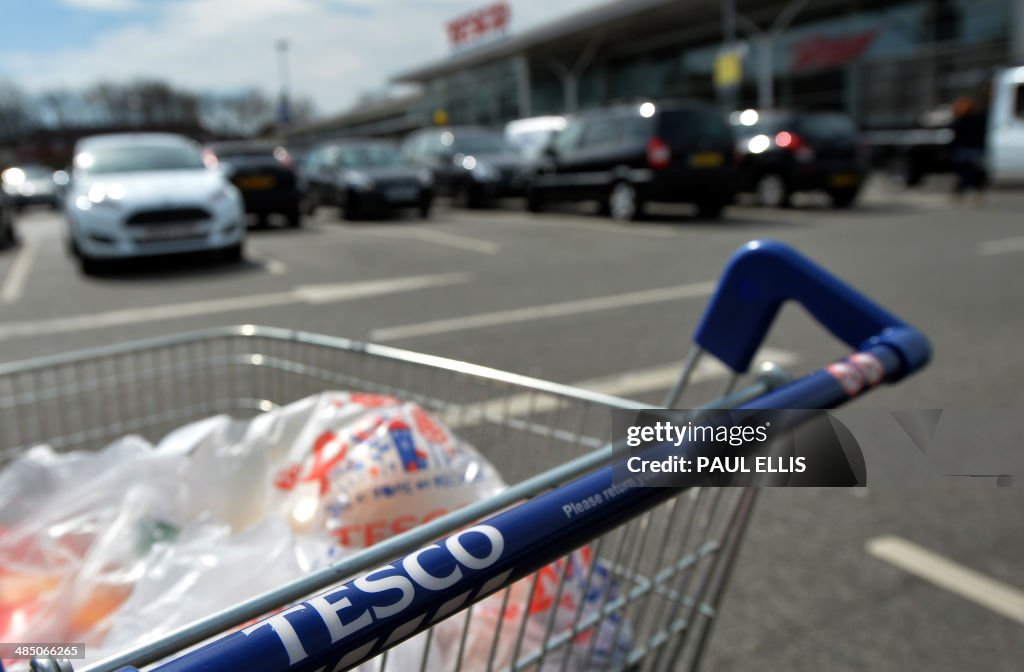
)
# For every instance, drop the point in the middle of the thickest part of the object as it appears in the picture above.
(762, 275)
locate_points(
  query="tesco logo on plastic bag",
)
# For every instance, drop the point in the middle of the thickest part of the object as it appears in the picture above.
(382, 593)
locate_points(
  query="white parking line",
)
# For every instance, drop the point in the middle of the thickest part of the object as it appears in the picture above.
(275, 267)
(621, 229)
(1003, 246)
(627, 384)
(269, 264)
(576, 222)
(663, 377)
(314, 294)
(440, 238)
(550, 310)
(1002, 598)
(17, 275)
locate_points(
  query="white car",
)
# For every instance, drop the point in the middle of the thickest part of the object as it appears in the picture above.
(142, 194)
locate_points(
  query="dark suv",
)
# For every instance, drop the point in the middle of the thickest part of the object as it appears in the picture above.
(782, 153)
(471, 164)
(364, 177)
(629, 155)
(264, 173)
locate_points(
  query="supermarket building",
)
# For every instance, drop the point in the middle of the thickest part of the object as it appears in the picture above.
(883, 62)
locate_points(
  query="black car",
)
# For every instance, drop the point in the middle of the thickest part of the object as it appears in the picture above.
(364, 177)
(629, 155)
(7, 235)
(265, 175)
(785, 152)
(472, 165)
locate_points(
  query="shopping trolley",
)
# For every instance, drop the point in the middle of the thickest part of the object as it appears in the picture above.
(664, 555)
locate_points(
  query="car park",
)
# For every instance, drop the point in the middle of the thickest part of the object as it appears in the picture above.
(629, 155)
(142, 194)
(365, 177)
(786, 152)
(30, 184)
(265, 175)
(472, 165)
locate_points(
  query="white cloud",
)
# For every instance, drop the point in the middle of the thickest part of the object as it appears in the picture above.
(102, 5)
(338, 48)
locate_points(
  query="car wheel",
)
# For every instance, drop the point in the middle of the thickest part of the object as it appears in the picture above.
(843, 198)
(89, 265)
(624, 202)
(294, 218)
(8, 238)
(467, 197)
(234, 253)
(351, 211)
(710, 209)
(424, 209)
(309, 205)
(534, 200)
(772, 191)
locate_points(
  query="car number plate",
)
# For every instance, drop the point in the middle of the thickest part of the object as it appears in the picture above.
(706, 159)
(254, 182)
(401, 194)
(844, 180)
(171, 231)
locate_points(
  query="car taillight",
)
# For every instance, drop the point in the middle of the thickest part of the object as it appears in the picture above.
(209, 159)
(790, 141)
(658, 153)
(794, 143)
(283, 157)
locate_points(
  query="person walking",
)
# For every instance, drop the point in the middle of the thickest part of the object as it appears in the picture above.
(967, 149)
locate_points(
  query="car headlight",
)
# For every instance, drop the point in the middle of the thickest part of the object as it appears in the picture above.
(426, 178)
(101, 196)
(360, 181)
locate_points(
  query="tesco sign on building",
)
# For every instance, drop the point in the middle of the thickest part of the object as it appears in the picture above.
(477, 26)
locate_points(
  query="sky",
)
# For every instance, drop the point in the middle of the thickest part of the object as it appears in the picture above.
(339, 49)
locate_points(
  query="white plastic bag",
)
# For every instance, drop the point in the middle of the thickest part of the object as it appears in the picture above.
(70, 552)
(489, 621)
(205, 570)
(367, 467)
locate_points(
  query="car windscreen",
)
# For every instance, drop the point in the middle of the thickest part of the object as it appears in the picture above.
(826, 127)
(688, 128)
(369, 156)
(243, 153)
(531, 142)
(482, 143)
(139, 158)
(36, 172)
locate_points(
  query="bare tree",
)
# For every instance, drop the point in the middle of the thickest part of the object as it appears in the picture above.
(15, 119)
(236, 114)
(61, 108)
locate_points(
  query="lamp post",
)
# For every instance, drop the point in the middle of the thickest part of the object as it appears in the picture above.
(766, 39)
(283, 115)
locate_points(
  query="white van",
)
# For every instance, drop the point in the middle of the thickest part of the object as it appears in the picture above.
(1005, 149)
(531, 135)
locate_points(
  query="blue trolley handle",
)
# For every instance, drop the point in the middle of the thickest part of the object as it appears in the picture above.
(360, 618)
(762, 275)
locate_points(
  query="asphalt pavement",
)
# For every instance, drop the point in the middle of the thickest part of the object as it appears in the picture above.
(575, 298)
